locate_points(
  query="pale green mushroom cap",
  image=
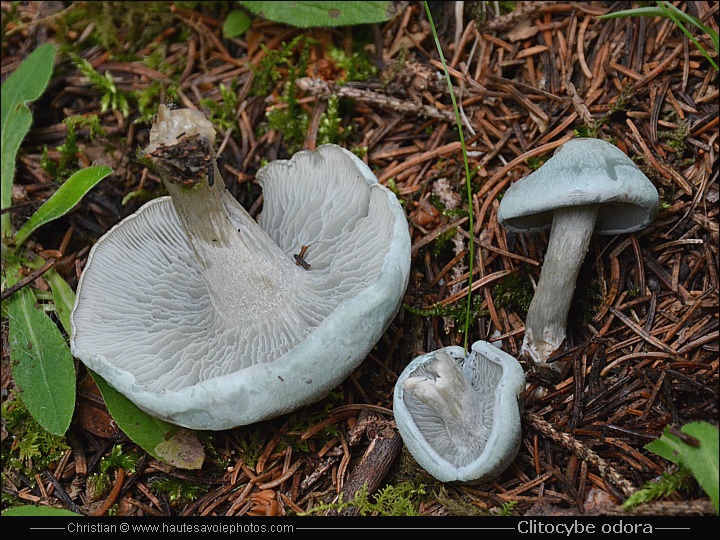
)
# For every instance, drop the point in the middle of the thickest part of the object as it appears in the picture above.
(458, 414)
(582, 172)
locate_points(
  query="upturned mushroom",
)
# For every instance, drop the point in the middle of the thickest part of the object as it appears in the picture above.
(459, 414)
(589, 185)
(205, 318)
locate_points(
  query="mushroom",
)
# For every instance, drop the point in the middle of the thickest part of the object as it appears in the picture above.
(459, 414)
(205, 318)
(587, 186)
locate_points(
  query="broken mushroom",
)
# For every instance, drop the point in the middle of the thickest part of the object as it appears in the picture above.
(589, 185)
(459, 414)
(205, 318)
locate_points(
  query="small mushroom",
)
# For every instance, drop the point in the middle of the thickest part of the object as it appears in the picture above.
(202, 317)
(459, 414)
(589, 185)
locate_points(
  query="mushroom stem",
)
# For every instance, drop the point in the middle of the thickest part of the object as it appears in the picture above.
(181, 147)
(450, 394)
(546, 321)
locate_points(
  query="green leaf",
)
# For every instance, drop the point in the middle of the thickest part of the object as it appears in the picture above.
(24, 85)
(145, 430)
(38, 511)
(63, 298)
(309, 14)
(701, 460)
(236, 23)
(63, 200)
(42, 365)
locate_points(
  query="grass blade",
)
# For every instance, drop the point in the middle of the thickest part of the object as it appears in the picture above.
(471, 244)
(669, 11)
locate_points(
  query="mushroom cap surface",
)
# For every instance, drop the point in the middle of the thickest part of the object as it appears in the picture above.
(498, 380)
(143, 319)
(582, 172)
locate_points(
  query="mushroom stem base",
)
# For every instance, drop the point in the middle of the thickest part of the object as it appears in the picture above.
(547, 316)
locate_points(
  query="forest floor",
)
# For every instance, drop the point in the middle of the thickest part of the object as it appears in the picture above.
(642, 346)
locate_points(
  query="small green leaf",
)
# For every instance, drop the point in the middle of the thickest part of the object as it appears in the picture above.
(26, 84)
(147, 431)
(63, 200)
(63, 297)
(42, 365)
(310, 14)
(701, 460)
(236, 23)
(38, 511)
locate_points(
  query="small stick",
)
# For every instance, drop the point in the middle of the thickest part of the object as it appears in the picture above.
(32, 276)
(379, 457)
(582, 451)
(299, 258)
(119, 479)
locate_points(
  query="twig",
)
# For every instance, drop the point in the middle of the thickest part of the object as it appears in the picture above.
(582, 451)
(377, 460)
(321, 88)
(119, 479)
(32, 276)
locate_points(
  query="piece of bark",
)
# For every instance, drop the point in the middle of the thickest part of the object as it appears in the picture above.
(383, 450)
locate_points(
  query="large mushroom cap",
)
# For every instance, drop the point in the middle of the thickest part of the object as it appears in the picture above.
(582, 172)
(144, 320)
(458, 414)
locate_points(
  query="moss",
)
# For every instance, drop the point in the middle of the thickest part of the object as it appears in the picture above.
(661, 488)
(29, 448)
(112, 97)
(617, 107)
(250, 445)
(270, 70)
(178, 491)
(443, 241)
(534, 163)
(67, 163)
(457, 313)
(330, 130)
(223, 114)
(291, 121)
(515, 291)
(117, 458)
(391, 184)
(121, 28)
(677, 138)
(455, 505)
(355, 67)
(590, 299)
(398, 500)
